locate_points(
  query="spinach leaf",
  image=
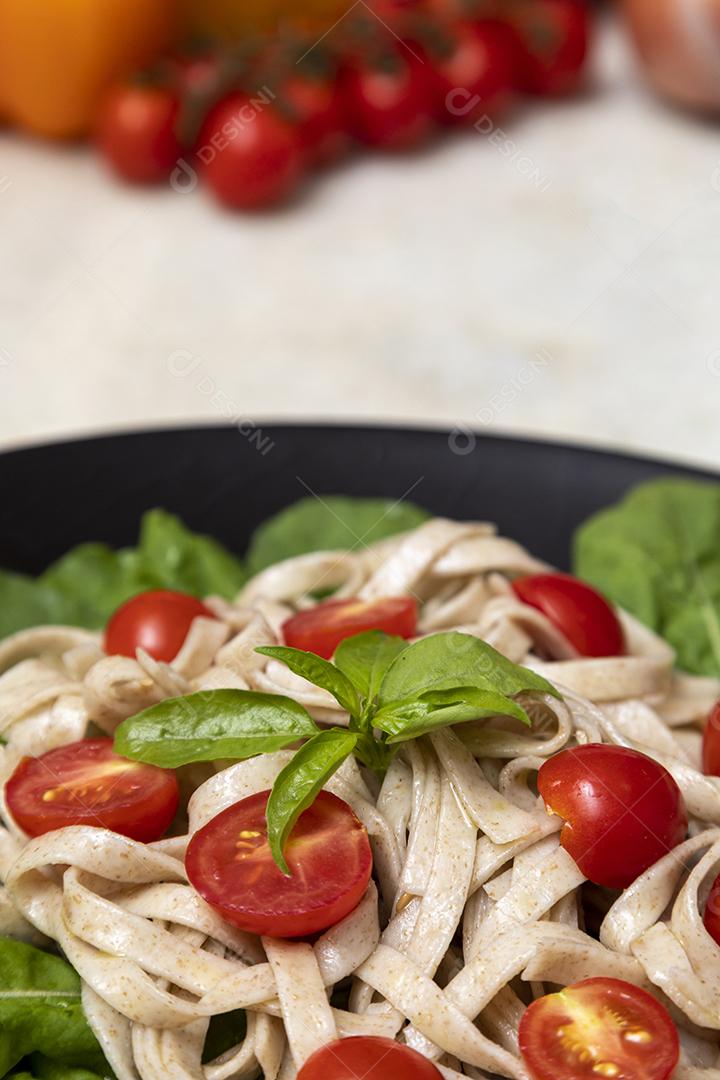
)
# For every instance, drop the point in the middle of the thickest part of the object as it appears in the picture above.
(451, 660)
(330, 523)
(173, 557)
(365, 658)
(657, 554)
(213, 724)
(317, 671)
(299, 783)
(40, 1011)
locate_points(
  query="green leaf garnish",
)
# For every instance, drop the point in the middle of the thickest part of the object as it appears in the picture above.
(365, 658)
(317, 671)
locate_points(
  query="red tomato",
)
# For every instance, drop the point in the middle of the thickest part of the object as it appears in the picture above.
(251, 157)
(156, 621)
(555, 37)
(390, 105)
(475, 77)
(598, 1028)
(136, 132)
(230, 864)
(623, 811)
(370, 1057)
(321, 629)
(316, 104)
(85, 783)
(580, 613)
(712, 911)
(711, 743)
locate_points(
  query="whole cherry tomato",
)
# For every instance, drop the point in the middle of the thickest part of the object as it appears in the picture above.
(85, 783)
(622, 810)
(136, 131)
(321, 629)
(474, 72)
(250, 155)
(390, 103)
(156, 621)
(370, 1057)
(580, 613)
(555, 38)
(315, 103)
(230, 864)
(598, 1028)
(711, 743)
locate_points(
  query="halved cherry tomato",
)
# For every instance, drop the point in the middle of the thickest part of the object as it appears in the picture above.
(475, 74)
(578, 611)
(321, 629)
(136, 131)
(230, 864)
(370, 1057)
(711, 743)
(598, 1028)
(623, 811)
(85, 783)
(156, 621)
(390, 104)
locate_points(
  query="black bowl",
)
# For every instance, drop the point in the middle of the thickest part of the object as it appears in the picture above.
(224, 481)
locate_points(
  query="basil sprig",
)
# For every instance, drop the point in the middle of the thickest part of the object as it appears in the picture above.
(391, 691)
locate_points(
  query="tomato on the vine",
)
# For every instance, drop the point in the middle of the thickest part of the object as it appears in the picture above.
(157, 621)
(371, 1057)
(320, 629)
(580, 613)
(622, 810)
(137, 131)
(473, 72)
(230, 864)
(554, 36)
(315, 104)
(598, 1028)
(85, 783)
(390, 102)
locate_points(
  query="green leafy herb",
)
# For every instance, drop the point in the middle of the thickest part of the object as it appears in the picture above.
(333, 523)
(42, 1068)
(40, 1011)
(297, 786)
(657, 554)
(404, 720)
(317, 671)
(365, 658)
(211, 725)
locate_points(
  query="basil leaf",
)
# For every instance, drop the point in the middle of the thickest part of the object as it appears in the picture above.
(366, 657)
(299, 783)
(317, 671)
(446, 661)
(329, 523)
(657, 554)
(404, 720)
(213, 724)
(40, 1010)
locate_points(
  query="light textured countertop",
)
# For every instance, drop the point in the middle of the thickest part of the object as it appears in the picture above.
(559, 278)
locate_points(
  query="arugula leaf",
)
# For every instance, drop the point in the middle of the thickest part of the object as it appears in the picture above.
(365, 658)
(404, 720)
(332, 523)
(451, 660)
(299, 783)
(213, 724)
(40, 1010)
(317, 671)
(657, 554)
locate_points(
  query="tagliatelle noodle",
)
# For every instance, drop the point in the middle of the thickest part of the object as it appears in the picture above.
(477, 907)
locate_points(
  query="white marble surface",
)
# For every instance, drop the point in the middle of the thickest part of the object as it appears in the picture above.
(580, 301)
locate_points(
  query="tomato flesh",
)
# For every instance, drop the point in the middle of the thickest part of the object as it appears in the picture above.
(321, 629)
(136, 132)
(623, 811)
(370, 1057)
(229, 863)
(580, 613)
(156, 621)
(711, 743)
(85, 783)
(598, 1028)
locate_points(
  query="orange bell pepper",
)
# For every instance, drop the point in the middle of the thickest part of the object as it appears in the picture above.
(235, 18)
(58, 56)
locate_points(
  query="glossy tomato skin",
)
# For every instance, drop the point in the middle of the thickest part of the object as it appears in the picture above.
(390, 105)
(321, 629)
(229, 863)
(555, 38)
(711, 743)
(596, 1023)
(623, 811)
(316, 106)
(370, 1057)
(474, 78)
(136, 132)
(85, 783)
(580, 613)
(711, 918)
(157, 621)
(250, 156)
